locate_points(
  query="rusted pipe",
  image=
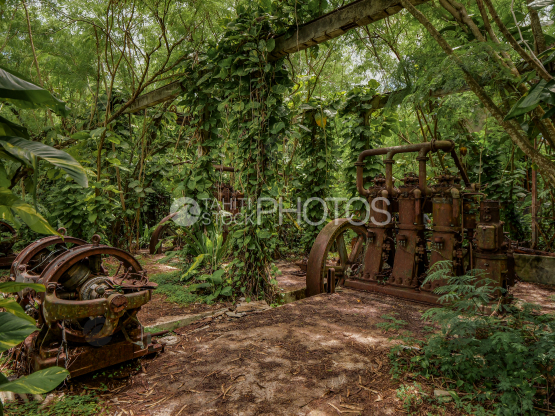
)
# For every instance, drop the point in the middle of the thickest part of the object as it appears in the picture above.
(422, 159)
(389, 174)
(417, 202)
(459, 166)
(456, 202)
(360, 167)
(421, 148)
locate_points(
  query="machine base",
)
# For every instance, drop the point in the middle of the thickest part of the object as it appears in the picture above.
(85, 358)
(400, 292)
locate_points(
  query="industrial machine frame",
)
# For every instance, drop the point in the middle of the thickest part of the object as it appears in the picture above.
(86, 318)
(391, 254)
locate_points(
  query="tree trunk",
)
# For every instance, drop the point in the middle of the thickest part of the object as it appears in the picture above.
(511, 127)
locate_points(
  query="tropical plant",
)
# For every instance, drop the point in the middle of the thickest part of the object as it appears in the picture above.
(207, 249)
(21, 156)
(493, 357)
(15, 326)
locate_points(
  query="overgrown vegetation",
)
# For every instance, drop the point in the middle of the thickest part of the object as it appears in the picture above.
(494, 358)
(291, 127)
(83, 405)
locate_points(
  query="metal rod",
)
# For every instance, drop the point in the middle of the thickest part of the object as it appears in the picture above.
(422, 149)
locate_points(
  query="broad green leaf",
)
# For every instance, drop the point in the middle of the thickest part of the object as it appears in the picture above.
(80, 135)
(204, 78)
(5, 182)
(25, 94)
(270, 45)
(196, 263)
(278, 127)
(533, 97)
(279, 89)
(13, 287)
(98, 132)
(7, 128)
(216, 277)
(38, 382)
(10, 204)
(92, 216)
(264, 234)
(13, 307)
(13, 330)
(516, 111)
(27, 149)
(226, 291)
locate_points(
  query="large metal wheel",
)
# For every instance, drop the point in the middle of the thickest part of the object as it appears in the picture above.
(334, 238)
(163, 231)
(108, 314)
(31, 261)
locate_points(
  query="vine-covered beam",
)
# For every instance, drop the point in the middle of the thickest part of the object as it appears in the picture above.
(336, 23)
(322, 29)
(157, 96)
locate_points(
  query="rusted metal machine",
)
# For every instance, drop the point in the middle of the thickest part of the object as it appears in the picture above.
(163, 231)
(7, 242)
(87, 317)
(224, 193)
(394, 251)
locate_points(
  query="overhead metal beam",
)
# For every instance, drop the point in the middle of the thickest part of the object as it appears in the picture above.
(157, 96)
(326, 27)
(336, 23)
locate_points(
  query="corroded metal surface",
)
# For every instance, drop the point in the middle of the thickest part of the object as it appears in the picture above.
(318, 264)
(400, 252)
(28, 263)
(84, 307)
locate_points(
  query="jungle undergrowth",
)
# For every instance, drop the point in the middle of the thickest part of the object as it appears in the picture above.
(493, 357)
(85, 405)
(241, 85)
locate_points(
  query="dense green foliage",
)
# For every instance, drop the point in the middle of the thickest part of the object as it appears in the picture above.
(291, 127)
(495, 362)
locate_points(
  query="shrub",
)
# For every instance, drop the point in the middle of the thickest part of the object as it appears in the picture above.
(498, 357)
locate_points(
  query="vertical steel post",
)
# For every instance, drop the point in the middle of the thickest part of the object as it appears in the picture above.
(331, 280)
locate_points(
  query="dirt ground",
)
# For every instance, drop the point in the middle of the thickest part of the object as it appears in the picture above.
(291, 279)
(323, 355)
(310, 357)
(536, 293)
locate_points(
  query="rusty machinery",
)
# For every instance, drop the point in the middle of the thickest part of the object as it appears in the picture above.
(394, 253)
(230, 199)
(87, 316)
(7, 242)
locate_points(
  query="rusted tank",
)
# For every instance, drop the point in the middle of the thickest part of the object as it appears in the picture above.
(381, 246)
(394, 257)
(87, 316)
(493, 252)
